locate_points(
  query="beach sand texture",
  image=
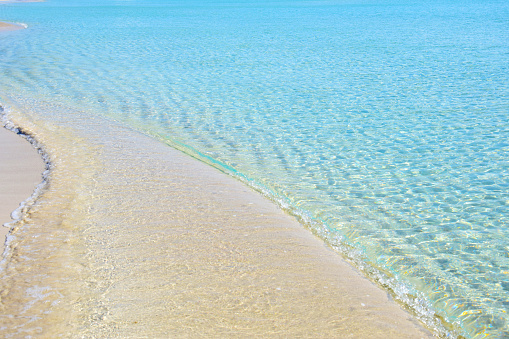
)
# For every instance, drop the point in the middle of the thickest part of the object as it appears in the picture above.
(21, 170)
(4, 26)
(131, 238)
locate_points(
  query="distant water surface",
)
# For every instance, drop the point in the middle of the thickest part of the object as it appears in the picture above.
(384, 125)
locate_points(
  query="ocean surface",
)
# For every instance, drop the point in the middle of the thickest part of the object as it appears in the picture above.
(382, 125)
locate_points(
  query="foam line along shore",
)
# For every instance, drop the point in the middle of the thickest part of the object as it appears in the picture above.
(21, 166)
(5, 26)
(21, 170)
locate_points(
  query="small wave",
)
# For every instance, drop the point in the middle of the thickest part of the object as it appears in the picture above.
(411, 300)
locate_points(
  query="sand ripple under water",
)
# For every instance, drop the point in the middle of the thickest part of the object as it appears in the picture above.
(131, 238)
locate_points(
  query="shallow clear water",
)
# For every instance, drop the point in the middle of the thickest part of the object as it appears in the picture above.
(383, 124)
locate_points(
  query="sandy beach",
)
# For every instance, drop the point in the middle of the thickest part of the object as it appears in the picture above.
(21, 170)
(155, 232)
(4, 26)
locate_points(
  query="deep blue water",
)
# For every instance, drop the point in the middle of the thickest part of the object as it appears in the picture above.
(384, 125)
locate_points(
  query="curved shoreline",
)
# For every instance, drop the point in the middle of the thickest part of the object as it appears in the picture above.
(21, 170)
(5, 26)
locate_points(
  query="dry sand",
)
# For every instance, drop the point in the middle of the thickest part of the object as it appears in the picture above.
(20, 172)
(4, 26)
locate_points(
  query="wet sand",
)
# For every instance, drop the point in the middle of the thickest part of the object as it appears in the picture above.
(134, 239)
(21, 170)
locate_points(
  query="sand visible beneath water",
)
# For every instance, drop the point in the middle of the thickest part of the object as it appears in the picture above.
(132, 238)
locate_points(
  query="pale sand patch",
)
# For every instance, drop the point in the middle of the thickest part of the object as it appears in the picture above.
(4, 26)
(20, 172)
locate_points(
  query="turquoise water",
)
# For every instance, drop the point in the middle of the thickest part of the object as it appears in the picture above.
(383, 125)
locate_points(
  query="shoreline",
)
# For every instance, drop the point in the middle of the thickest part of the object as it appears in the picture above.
(21, 169)
(5, 26)
(242, 248)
